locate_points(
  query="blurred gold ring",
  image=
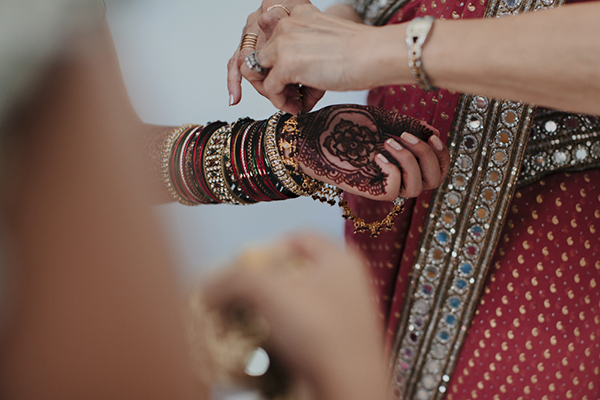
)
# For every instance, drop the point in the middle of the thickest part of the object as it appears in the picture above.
(284, 8)
(249, 41)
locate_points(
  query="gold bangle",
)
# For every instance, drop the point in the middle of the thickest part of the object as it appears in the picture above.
(212, 161)
(275, 159)
(165, 167)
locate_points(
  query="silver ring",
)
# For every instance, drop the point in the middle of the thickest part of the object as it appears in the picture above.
(399, 201)
(253, 64)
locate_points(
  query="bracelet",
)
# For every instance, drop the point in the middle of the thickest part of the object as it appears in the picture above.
(275, 159)
(330, 194)
(375, 227)
(416, 35)
(214, 168)
(165, 158)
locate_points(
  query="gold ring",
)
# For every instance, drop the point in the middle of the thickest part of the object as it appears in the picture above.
(249, 41)
(284, 8)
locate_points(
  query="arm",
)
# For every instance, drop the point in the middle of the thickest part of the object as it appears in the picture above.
(95, 310)
(363, 150)
(548, 57)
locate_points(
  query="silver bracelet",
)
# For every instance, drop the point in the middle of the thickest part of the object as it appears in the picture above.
(416, 35)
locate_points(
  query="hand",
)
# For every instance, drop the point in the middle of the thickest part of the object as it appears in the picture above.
(320, 313)
(371, 152)
(319, 51)
(263, 23)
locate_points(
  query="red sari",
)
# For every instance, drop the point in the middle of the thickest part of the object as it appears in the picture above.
(536, 331)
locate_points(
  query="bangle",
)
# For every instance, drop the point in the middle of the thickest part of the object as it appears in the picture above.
(275, 159)
(214, 168)
(416, 35)
(165, 163)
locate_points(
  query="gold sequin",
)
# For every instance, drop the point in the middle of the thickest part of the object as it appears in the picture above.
(470, 7)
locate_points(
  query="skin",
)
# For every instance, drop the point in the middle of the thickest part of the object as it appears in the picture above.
(93, 308)
(312, 346)
(555, 67)
(395, 154)
(94, 305)
(265, 23)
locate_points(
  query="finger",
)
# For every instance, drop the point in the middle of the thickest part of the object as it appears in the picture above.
(268, 21)
(252, 75)
(394, 178)
(411, 183)
(234, 80)
(310, 97)
(428, 161)
(442, 154)
(274, 86)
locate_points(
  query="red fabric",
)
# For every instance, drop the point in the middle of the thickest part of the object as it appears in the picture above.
(536, 334)
(560, 360)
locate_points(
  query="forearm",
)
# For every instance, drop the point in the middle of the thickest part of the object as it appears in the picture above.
(549, 58)
(344, 11)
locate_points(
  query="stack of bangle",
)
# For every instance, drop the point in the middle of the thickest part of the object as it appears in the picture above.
(244, 163)
(222, 163)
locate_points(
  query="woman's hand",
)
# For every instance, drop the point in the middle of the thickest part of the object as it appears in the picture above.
(317, 302)
(261, 22)
(371, 152)
(326, 53)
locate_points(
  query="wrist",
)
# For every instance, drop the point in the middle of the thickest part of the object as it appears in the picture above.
(387, 57)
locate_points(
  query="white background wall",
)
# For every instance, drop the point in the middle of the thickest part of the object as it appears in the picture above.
(173, 54)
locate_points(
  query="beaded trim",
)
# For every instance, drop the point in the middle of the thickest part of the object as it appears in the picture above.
(560, 142)
(460, 234)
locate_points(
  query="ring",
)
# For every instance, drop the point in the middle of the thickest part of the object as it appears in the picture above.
(253, 64)
(249, 41)
(284, 8)
(399, 201)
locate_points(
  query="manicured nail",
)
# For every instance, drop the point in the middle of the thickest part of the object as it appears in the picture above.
(395, 145)
(230, 100)
(409, 138)
(437, 143)
(383, 159)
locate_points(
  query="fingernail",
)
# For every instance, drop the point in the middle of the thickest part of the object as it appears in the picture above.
(230, 100)
(409, 138)
(383, 159)
(437, 143)
(395, 145)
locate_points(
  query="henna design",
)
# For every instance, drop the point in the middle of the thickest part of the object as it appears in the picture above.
(341, 142)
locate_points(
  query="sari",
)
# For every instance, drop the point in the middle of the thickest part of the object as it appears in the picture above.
(488, 286)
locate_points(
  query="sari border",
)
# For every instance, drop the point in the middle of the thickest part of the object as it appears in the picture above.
(460, 234)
